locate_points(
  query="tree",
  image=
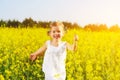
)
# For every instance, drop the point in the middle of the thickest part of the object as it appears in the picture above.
(76, 26)
(43, 24)
(102, 27)
(29, 22)
(13, 23)
(114, 28)
(91, 27)
(68, 25)
(2, 23)
(96, 27)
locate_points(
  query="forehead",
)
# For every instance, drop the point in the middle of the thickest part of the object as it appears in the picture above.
(56, 28)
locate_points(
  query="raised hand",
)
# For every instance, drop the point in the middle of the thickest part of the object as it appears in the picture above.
(76, 38)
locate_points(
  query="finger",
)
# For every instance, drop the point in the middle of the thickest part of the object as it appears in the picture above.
(76, 37)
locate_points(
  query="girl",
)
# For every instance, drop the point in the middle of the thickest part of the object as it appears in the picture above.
(55, 53)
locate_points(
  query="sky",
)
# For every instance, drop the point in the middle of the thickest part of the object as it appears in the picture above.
(82, 12)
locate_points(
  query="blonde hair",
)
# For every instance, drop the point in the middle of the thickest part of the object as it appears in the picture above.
(57, 24)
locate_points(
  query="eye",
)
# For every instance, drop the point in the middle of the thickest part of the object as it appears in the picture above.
(53, 31)
(58, 31)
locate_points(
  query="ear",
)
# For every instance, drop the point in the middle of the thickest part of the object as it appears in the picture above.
(48, 33)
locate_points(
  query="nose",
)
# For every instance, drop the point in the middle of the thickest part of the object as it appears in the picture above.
(56, 32)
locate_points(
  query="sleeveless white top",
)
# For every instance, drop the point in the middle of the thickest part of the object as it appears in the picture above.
(54, 59)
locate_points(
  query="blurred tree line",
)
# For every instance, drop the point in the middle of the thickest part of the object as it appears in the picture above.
(29, 22)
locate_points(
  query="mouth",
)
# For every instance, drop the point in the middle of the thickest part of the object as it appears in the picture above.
(56, 37)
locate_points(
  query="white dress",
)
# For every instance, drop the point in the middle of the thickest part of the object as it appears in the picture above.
(54, 62)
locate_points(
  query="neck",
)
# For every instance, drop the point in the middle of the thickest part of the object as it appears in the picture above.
(55, 42)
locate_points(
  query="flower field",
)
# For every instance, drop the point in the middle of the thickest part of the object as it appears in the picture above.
(97, 56)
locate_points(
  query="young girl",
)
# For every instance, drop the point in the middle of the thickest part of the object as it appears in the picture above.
(55, 53)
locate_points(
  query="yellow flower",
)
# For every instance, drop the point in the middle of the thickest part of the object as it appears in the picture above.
(1, 60)
(8, 72)
(89, 68)
(1, 77)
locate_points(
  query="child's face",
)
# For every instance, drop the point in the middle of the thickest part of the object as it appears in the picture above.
(56, 32)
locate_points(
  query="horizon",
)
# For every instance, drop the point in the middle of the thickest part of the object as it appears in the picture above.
(63, 21)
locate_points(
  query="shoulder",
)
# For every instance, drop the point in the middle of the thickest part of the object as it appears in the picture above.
(47, 42)
(64, 43)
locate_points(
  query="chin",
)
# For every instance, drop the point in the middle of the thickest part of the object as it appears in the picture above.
(57, 39)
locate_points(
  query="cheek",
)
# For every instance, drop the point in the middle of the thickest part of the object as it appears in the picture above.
(62, 34)
(51, 35)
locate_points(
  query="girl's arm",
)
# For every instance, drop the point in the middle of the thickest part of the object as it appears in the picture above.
(40, 52)
(74, 45)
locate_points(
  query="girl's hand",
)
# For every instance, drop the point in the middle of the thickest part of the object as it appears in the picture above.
(33, 57)
(76, 38)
